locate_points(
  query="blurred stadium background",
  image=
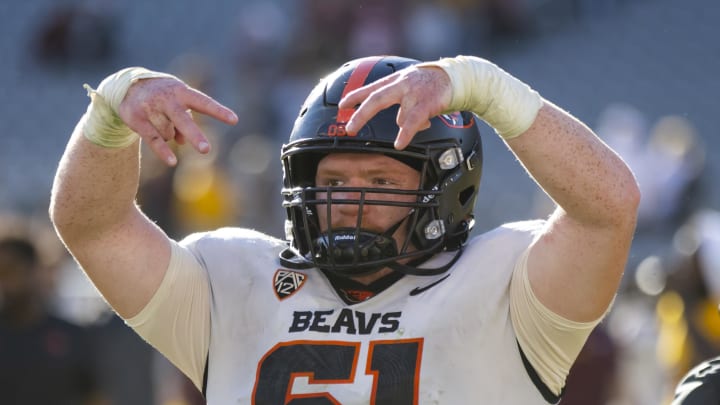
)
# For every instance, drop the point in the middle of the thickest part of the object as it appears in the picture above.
(642, 73)
(261, 57)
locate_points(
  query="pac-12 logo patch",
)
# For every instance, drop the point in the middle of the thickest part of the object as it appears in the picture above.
(287, 282)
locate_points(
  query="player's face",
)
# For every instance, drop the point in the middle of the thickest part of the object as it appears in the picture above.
(371, 171)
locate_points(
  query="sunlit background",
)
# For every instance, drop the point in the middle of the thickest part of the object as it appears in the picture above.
(642, 73)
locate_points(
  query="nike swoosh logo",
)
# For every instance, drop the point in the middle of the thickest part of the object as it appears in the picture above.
(420, 290)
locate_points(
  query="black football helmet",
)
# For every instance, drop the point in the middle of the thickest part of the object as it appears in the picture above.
(448, 156)
(701, 385)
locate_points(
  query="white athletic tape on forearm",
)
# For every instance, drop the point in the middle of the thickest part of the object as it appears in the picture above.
(506, 103)
(101, 123)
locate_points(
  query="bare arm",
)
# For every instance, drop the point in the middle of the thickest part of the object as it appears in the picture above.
(93, 197)
(576, 265)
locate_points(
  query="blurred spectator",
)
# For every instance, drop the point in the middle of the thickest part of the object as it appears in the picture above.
(323, 33)
(204, 197)
(125, 363)
(499, 19)
(687, 310)
(77, 33)
(592, 378)
(43, 358)
(508, 17)
(639, 378)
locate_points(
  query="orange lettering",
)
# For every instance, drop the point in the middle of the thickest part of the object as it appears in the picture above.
(337, 130)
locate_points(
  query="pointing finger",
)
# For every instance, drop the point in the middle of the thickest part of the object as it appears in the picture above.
(411, 120)
(370, 99)
(205, 104)
(406, 134)
(373, 104)
(359, 95)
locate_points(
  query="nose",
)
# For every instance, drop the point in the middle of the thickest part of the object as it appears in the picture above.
(346, 208)
(345, 214)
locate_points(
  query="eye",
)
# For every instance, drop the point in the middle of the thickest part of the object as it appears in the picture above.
(381, 181)
(332, 183)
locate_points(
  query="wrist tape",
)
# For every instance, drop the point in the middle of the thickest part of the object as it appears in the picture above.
(101, 123)
(504, 102)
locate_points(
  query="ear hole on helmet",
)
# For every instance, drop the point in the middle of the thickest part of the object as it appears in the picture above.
(466, 195)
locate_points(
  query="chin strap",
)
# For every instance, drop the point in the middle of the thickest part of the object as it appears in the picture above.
(412, 269)
(292, 259)
(341, 247)
(367, 250)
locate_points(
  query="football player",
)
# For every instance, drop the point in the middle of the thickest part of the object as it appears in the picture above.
(701, 385)
(377, 295)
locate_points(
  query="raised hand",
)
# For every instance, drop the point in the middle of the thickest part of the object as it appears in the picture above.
(160, 110)
(421, 92)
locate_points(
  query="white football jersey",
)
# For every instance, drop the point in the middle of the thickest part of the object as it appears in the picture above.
(283, 336)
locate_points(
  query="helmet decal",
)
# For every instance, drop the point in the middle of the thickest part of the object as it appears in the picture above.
(455, 120)
(356, 80)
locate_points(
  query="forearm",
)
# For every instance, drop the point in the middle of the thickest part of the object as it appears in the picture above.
(94, 188)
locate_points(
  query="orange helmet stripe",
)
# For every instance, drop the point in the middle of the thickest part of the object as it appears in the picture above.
(355, 81)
